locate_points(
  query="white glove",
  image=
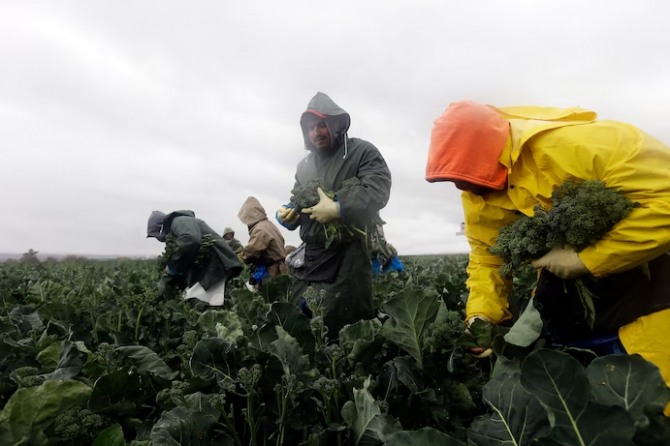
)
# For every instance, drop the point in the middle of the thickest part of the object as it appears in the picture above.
(326, 210)
(562, 262)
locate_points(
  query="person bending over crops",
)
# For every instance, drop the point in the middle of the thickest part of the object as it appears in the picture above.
(340, 186)
(265, 250)
(507, 161)
(196, 259)
(229, 236)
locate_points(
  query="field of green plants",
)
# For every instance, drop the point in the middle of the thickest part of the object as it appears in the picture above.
(89, 355)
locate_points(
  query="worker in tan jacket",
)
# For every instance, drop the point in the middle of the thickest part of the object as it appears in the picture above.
(265, 251)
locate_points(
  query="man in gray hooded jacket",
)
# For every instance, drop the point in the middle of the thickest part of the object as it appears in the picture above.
(341, 268)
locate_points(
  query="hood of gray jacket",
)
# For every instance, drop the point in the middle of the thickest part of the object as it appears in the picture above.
(337, 120)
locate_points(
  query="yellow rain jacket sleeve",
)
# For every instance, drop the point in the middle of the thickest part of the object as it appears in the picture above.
(488, 290)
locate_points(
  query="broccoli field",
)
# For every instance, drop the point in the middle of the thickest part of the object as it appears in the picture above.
(89, 355)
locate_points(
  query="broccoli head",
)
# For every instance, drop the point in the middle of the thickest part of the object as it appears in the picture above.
(581, 214)
(305, 194)
(27, 376)
(77, 425)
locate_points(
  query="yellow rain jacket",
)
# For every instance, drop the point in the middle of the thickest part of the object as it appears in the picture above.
(546, 147)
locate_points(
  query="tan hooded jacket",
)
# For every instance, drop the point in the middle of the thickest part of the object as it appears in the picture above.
(266, 244)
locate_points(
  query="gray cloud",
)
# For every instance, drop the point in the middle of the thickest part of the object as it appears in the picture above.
(109, 110)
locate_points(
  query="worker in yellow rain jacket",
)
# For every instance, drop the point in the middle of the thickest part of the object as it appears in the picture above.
(507, 160)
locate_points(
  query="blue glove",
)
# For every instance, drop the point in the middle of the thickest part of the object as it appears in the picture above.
(259, 272)
(395, 264)
(376, 267)
(287, 217)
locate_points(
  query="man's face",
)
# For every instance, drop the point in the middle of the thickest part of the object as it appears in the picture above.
(228, 235)
(318, 134)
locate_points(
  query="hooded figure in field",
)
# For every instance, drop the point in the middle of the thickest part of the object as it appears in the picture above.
(265, 250)
(196, 258)
(341, 269)
(229, 237)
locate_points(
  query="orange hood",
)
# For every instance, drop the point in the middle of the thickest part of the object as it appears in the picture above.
(466, 143)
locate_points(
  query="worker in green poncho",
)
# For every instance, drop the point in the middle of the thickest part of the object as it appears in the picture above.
(197, 260)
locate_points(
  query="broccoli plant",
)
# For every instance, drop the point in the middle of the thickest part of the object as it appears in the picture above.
(581, 214)
(27, 376)
(78, 425)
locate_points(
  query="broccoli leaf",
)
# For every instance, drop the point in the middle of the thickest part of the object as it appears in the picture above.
(31, 410)
(560, 383)
(518, 418)
(360, 339)
(213, 358)
(147, 361)
(411, 311)
(112, 436)
(289, 353)
(630, 382)
(420, 437)
(187, 426)
(364, 417)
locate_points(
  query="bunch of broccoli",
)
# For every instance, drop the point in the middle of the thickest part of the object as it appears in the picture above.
(581, 214)
(204, 251)
(305, 195)
(78, 426)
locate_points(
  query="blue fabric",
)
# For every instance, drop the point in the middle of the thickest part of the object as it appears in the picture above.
(603, 345)
(304, 307)
(288, 226)
(395, 264)
(170, 270)
(376, 267)
(259, 272)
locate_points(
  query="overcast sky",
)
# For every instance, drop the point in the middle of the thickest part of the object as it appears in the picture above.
(111, 109)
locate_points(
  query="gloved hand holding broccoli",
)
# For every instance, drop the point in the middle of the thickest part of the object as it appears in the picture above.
(311, 198)
(580, 216)
(582, 213)
(325, 211)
